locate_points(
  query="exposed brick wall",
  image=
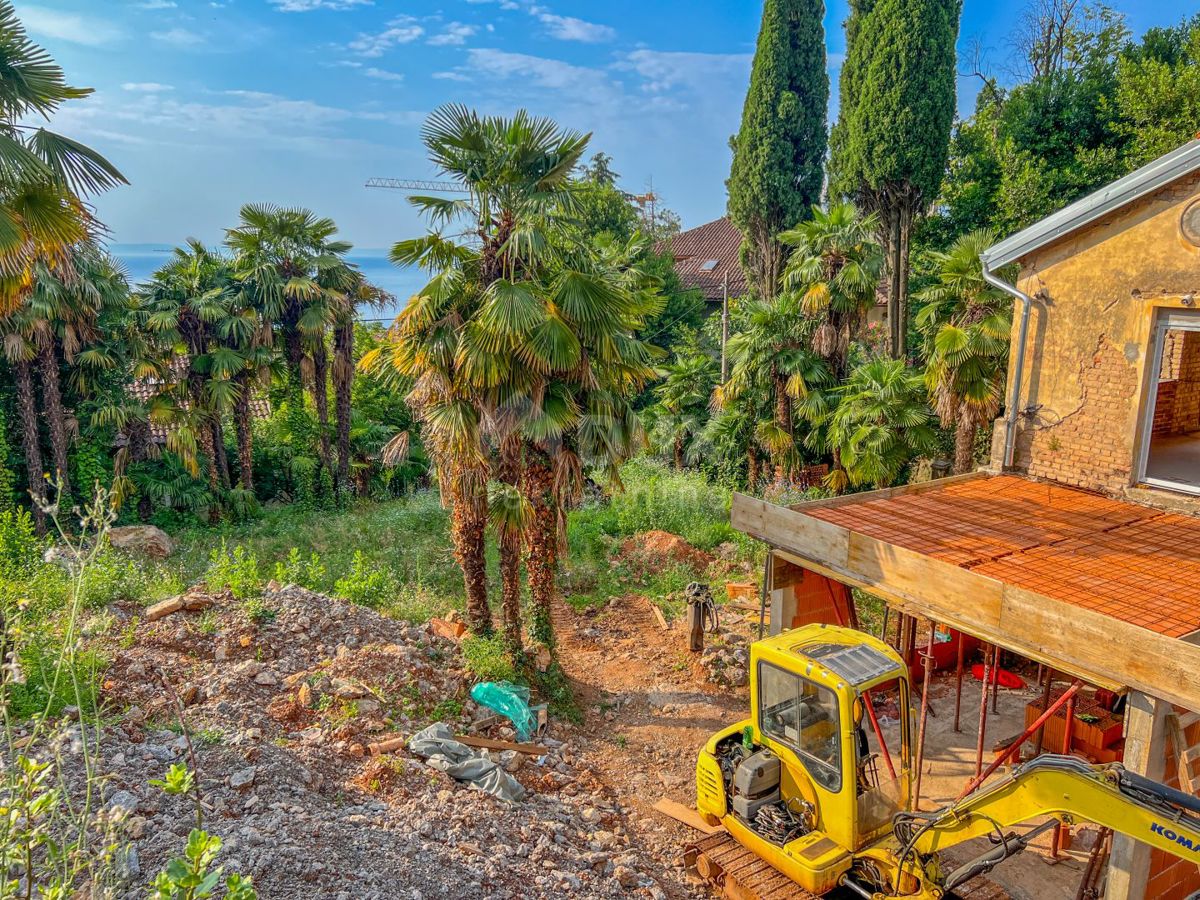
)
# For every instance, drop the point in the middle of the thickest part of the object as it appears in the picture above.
(1172, 878)
(1187, 394)
(1085, 447)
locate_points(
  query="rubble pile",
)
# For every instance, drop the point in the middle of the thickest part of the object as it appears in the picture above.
(287, 704)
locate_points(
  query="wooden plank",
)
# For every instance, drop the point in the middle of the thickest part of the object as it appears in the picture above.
(1153, 663)
(955, 619)
(919, 487)
(685, 814)
(940, 586)
(659, 617)
(781, 527)
(491, 744)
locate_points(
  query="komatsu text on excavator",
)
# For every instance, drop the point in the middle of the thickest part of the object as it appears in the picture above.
(816, 783)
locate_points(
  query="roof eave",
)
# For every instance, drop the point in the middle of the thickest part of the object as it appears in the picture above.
(1172, 166)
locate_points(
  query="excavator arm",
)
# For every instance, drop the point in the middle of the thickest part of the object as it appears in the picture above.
(1067, 789)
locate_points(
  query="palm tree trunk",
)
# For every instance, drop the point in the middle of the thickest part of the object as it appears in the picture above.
(542, 561)
(783, 419)
(468, 522)
(343, 381)
(27, 412)
(56, 418)
(219, 457)
(751, 469)
(679, 452)
(241, 425)
(139, 450)
(510, 551)
(321, 399)
(964, 444)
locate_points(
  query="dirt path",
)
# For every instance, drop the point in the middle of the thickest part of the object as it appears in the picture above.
(648, 710)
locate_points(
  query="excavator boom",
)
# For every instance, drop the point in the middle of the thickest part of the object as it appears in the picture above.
(1067, 789)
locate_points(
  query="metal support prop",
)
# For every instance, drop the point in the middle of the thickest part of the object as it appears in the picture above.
(768, 575)
(996, 680)
(958, 676)
(927, 665)
(887, 756)
(983, 705)
(1037, 741)
(1067, 697)
(1063, 830)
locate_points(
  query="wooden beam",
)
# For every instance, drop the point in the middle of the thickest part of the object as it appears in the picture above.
(1145, 754)
(919, 487)
(491, 744)
(685, 814)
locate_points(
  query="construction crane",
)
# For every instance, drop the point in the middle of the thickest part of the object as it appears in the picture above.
(805, 809)
(411, 184)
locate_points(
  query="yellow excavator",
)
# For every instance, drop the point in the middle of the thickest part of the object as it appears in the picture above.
(807, 806)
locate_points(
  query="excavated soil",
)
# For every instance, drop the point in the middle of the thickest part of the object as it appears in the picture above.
(655, 551)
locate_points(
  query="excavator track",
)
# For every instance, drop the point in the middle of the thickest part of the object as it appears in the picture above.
(740, 874)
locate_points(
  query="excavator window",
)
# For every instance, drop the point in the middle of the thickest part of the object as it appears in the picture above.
(804, 717)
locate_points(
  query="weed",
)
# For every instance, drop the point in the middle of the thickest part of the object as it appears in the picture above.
(487, 659)
(308, 573)
(367, 583)
(448, 708)
(258, 611)
(555, 687)
(621, 741)
(207, 623)
(236, 570)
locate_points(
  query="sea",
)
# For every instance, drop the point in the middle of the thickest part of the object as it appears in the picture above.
(141, 261)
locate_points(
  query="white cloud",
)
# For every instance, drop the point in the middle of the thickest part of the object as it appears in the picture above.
(179, 37)
(568, 28)
(310, 5)
(157, 4)
(68, 26)
(663, 71)
(383, 74)
(402, 30)
(537, 70)
(455, 34)
(451, 76)
(146, 87)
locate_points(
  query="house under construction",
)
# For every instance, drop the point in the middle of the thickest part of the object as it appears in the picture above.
(1079, 547)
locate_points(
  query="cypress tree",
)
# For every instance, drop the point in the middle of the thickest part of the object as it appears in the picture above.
(897, 103)
(779, 152)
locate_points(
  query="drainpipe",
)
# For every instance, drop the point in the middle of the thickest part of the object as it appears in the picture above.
(1010, 428)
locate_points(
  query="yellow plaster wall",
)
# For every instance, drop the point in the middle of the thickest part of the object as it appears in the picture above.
(1086, 368)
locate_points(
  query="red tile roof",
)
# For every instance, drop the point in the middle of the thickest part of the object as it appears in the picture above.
(1131, 562)
(697, 249)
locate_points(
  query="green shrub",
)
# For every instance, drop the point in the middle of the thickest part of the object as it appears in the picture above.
(114, 576)
(54, 679)
(487, 659)
(367, 583)
(258, 611)
(308, 573)
(20, 547)
(236, 570)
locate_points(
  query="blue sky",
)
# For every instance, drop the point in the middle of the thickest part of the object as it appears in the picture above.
(207, 104)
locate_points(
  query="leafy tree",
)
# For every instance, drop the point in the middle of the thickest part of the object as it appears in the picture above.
(42, 175)
(966, 324)
(779, 152)
(880, 422)
(771, 351)
(834, 271)
(1158, 91)
(890, 144)
(683, 396)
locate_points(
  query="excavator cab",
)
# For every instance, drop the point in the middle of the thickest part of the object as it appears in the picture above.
(817, 772)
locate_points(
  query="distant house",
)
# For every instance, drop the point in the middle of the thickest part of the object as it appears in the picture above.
(707, 255)
(706, 258)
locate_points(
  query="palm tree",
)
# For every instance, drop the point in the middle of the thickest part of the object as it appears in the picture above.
(683, 397)
(834, 271)
(881, 421)
(42, 174)
(966, 324)
(360, 291)
(193, 303)
(772, 351)
(473, 340)
(297, 274)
